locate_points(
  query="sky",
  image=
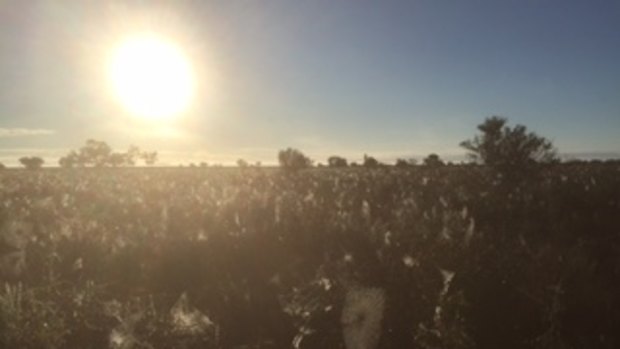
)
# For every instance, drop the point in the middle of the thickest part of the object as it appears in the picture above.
(329, 77)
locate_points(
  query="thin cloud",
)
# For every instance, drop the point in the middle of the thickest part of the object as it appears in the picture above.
(24, 132)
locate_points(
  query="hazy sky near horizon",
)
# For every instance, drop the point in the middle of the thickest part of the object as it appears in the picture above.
(387, 78)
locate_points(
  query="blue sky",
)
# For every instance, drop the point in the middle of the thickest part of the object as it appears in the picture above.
(387, 78)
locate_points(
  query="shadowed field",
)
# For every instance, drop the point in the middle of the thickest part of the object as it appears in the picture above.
(452, 257)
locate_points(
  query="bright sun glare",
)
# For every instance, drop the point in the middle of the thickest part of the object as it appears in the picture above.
(151, 77)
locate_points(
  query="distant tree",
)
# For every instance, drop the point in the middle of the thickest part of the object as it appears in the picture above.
(433, 160)
(150, 158)
(70, 160)
(405, 162)
(117, 160)
(32, 163)
(293, 159)
(242, 163)
(2, 167)
(99, 154)
(504, 147)
(131, 156)
(95, 153)
(369, 161)
(336, 161)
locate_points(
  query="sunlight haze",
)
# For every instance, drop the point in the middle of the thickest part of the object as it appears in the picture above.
(243, 79)
(151, 77)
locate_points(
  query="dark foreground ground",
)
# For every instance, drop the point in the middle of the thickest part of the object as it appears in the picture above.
(453, 257)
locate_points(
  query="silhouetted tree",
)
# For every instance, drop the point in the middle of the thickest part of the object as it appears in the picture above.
(32, 163)
(405, 162)
(293, 159)
(242, 163)
(95, 153)
(70, 160)
(336, 161)
(369, 161)
(150, 158)
(99, 154)
(503, 147)
(433, 160)
(116, 160)
(132, 155)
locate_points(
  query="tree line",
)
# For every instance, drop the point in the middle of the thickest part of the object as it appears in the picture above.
(95, 154)
(497, 145)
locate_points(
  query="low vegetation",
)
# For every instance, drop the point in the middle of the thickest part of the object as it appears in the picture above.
(187, 259)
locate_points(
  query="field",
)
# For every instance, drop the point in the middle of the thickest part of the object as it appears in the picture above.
(457, 257)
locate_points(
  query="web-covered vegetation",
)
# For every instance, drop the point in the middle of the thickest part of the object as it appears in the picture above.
(258, 258)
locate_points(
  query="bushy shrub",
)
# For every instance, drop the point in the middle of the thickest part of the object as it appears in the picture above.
(293, 159)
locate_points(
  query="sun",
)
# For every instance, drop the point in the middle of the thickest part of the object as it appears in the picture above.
(151, 77)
